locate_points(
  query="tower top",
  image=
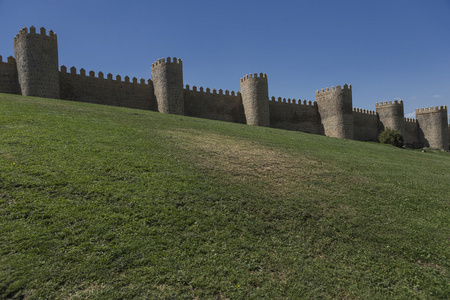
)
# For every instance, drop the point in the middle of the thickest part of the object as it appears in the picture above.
(24, 31)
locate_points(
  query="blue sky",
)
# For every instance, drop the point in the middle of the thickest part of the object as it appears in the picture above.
(395, 49)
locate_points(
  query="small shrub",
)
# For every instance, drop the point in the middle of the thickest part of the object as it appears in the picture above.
(392, 137)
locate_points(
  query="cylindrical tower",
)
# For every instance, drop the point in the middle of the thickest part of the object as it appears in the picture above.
(336, 111)
(391, 115)
(433, 126)
(37, 63)
(167, 77)
(255, 99)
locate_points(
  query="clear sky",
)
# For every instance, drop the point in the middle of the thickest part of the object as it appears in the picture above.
(386, 49)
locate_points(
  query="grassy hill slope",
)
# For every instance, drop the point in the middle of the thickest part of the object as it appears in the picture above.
(102, 202)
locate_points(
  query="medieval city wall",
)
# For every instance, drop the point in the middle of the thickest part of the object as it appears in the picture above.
(98, 89)
(34, 72)
(8, 76)
(365, 125)
(215, 105)
(295, 115)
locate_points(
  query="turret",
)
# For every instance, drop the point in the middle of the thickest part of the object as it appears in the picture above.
(37, 63)
(255, 99)
(391, 115)
(433, 124)
(336, 111)
(167, 77)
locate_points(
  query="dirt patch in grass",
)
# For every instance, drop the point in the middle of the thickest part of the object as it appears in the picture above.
(245, 160)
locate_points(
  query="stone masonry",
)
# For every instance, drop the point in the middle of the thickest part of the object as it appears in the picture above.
(35, 72)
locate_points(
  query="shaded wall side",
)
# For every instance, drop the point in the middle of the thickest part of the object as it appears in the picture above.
(411, 134)
(214, 106)
(294, 116)
(107, 91)
(365, 126)
(9, 82)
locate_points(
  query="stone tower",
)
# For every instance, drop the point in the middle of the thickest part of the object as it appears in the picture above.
(37, 63)
(433, 123)
(255, 99)
(167, 77)
(391, 115)
(336, 111)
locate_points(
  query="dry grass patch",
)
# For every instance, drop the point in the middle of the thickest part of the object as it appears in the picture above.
(245, 160)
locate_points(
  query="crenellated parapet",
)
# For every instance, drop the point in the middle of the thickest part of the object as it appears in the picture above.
(336, 111)
(9, 61)
(389, 103)
(436, 109)
(100, 75)
(364, 111)
(37, 62)
(211, 91)
(433, 124)
(410, 120)
(255, 99)
(42, 32)
(293, 101)
(332, 90)
(167, 77)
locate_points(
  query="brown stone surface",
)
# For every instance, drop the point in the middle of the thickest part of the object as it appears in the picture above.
(167, 76)
(255, 98)
(336, 111)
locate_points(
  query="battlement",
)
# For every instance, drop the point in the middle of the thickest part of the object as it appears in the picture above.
(437, 109)
(214, 91)
(332, 89)
(167, 60)
(364, 111)
(255, 75)
(10, 60)
(109, 76)
(390, 103)
(24, 31)
(293, 101)
(410, 120)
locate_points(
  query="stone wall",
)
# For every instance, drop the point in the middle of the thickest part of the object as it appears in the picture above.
(411, 133)
(37, 63)
(255, 97)
(167, 76)
(391, 115)
(215, 105)
(336, 111)
(8, 76)
(295, 115)
(433, 125)
(34, 72)
(365, 125)
(108, 91)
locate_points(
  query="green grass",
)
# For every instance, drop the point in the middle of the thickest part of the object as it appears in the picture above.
(101, 202)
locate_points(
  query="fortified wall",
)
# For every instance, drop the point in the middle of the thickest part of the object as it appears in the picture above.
(35, 72)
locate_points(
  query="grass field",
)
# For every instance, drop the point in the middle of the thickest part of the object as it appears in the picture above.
(101, 202)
